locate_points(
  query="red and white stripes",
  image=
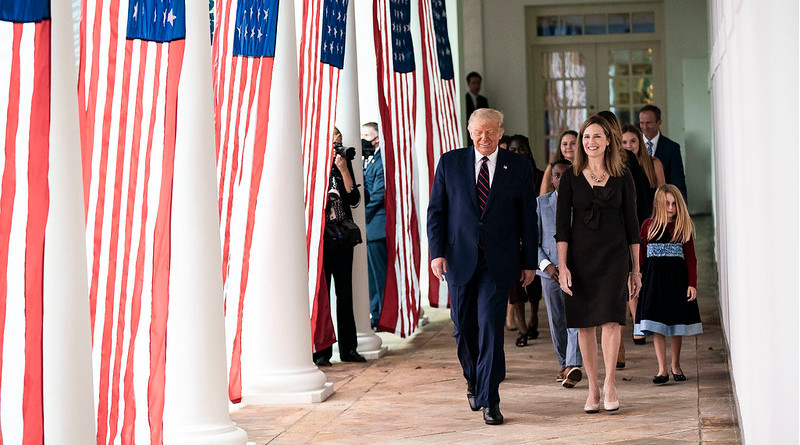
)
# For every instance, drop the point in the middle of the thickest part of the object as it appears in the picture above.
(319, 94)
(397, 104)
(441, 118)
(24, 202)
(241, 107)
(128, 99)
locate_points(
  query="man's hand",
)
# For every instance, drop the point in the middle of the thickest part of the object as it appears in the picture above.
(552, 271)
(527, 276)
(439, 267)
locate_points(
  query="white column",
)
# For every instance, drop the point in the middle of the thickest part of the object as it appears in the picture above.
(66, 337)
(195, 405)
(347, 115)
(276, 339)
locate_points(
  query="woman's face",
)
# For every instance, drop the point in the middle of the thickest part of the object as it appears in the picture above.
(568, 144)
(672, 207)
(630, 142)
(595, 141)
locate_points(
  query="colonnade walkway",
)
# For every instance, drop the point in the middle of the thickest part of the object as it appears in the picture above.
(416, 394)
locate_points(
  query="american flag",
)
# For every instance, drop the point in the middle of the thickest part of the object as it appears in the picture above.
(442, 129)
(130, 65)
(243, 51)
(24, 203)
(321, 60)
(397, 104)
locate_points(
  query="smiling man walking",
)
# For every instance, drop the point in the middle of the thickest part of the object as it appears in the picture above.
(482, 235)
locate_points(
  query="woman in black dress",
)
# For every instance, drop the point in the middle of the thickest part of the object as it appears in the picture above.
(597, 234)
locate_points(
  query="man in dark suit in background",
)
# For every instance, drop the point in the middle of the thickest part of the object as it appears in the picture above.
(482, 210)
(658, 145)
(473, 99)
(375, 211)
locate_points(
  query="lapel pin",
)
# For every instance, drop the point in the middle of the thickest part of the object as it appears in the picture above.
(505, 167)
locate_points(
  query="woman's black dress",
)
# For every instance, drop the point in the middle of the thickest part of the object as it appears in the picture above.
(599, 223)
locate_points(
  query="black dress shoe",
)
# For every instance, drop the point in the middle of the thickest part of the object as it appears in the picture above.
(660, 379)
(322, 361)
(492, 414)
(473, 405)
(352, 356)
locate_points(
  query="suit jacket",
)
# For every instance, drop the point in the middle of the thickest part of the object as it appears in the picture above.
(471, 106)
(456, 227)
(669, 152)
(374, 189)
(546, 218)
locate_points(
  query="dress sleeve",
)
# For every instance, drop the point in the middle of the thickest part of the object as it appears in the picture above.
(691, 261)
(564, 207)
(629, 209)
(643, 243)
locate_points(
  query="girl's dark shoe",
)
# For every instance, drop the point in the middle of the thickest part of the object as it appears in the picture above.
(679, 377)
(522, 339)
(660, 379)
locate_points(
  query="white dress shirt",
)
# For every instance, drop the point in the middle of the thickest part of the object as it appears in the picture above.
(654, 141)
(490, 164)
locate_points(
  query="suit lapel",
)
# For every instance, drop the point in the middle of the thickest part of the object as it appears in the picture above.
(469, 167)
(500, 173)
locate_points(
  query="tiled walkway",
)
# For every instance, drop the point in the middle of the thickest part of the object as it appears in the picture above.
(415, 394)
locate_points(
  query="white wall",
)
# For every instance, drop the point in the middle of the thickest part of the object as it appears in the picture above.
(754, 79)
(496, 42)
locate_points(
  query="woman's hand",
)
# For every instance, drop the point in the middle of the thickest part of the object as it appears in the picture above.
(340, 162)
(565, 279)
(634, 285)
(691, 293)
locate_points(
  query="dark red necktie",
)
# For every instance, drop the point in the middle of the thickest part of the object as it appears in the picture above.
(483, 183)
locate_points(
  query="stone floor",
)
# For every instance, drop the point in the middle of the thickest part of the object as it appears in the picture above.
(415, 394)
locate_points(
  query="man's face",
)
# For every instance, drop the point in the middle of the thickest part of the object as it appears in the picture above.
(485, 134)
(649, 125)
(368, 134)
(474, 85)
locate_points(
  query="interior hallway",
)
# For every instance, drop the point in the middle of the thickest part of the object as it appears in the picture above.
(416, 394)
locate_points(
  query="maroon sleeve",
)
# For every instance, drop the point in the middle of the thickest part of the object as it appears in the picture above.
(643, 243)
(691, 262)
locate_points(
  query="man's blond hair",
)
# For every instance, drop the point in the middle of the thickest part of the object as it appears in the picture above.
(485, 115)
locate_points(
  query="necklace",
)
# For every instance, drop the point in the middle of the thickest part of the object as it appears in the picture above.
(596, 179)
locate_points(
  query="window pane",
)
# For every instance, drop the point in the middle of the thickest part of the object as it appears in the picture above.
(553, 65)
(575, 118)
(619, 23)
(554, 94)
(547, 25)
(623, 114)
(571, 25)
(642, 61)
(552, 121)
(618, 91)
(643, 90)
(644, 22)
(574, 65)
(594, 23)
(619, 63)
(575, 93)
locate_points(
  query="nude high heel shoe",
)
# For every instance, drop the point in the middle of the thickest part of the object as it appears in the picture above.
(590, 408)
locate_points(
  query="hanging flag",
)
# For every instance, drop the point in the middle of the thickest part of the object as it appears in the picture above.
(24, 203)
(397, 104)
(442, 129)
(130, 66)
(243, 51)
(321, 60)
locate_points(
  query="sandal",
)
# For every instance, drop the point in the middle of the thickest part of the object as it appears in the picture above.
(522, 339)
(678, 377)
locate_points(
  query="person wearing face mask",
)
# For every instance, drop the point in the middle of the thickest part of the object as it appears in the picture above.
(375, 213)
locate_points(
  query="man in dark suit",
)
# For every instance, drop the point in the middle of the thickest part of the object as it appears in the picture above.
(375, 211)
(482, 210)
(658, 145)
(474, 99)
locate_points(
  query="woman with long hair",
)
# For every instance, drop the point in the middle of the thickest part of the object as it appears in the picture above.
(567, 143)
(597, 235)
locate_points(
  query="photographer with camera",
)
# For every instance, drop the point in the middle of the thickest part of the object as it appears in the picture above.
(340, 236)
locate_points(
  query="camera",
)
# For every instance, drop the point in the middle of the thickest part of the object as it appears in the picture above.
(346, 152)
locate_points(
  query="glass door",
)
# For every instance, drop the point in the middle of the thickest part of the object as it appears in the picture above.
(565, 92)
(630, 78)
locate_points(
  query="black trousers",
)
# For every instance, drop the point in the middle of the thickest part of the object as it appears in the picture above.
(337, 261)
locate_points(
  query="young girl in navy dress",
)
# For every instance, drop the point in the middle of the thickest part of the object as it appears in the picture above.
(668, 301)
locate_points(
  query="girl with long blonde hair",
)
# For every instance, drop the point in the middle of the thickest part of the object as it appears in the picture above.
(668, 301)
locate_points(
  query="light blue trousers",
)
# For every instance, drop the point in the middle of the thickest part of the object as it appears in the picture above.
(565, 341)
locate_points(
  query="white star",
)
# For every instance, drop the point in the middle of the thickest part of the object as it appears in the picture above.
(266, 14)
(171, 18)
(135, 10)
(164, 18)
(252, 32)
(329, 29)
(154, 16)
(251, 12)
(259, 34)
